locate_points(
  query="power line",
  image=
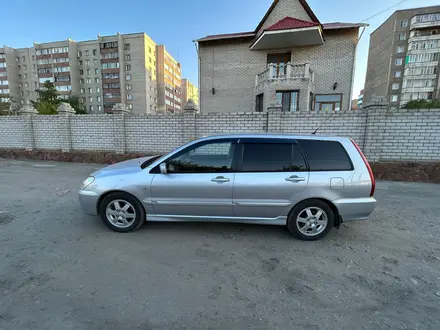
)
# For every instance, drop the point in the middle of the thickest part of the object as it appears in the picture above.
(381, 12)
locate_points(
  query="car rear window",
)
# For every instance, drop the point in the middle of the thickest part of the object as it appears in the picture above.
(272, 157)
(326, 155)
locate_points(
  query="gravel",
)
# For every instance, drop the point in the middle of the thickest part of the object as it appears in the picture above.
(61, 269)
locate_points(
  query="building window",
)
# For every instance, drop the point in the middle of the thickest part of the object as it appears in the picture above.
(129, 97)
(26, 84)
(87, 62)
(81, 81)
(87, 52)
(98, 99)
(128, 77)
(90, 90)
(24, 67)
(21, 93)
(287, 100)
(398, 61)
(394, 98)
(127, 47)
(402, 36)
(81, 72)
(90, 98)
(33, 57)
(98, 90)
(80, 62)
(128, 87)
(91, 108)
(149, 50)
(99, 108)
(127, 67)
(127, 57)
(130, 106)
(400, 49)
(395, 86)
(82, 90)
(110, 65)
(259, 102)
(95, 61)
(330, 102)
(22, 101)
(94, 52)
(89, 71)
(96, 71)
(404, 23)
(97, 80)
(89, 80)
(397, 74)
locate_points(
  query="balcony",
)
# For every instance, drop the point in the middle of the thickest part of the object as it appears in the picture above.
(425, 21)
(284, 74)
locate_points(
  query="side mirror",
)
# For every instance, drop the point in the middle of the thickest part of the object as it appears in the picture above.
(163, 168)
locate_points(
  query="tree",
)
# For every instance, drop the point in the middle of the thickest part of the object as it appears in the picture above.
(422, 104)
(74, 102)
(47, 101)
(8, 106)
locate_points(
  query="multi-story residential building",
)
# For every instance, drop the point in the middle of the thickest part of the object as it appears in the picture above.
(404, 57)
(290, 62)
(189, 92)
(360, 99)
(169, 94)
(110, 69)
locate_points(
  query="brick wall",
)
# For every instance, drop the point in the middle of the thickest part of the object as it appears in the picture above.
(401, 135)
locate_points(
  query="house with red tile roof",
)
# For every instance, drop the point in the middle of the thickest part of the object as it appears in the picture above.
(290, 62)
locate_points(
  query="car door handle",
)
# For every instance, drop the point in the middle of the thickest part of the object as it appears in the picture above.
(295, 178)
(220, 179)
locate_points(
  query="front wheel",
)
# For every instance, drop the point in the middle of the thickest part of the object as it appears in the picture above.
(311, 220)
(122, 212)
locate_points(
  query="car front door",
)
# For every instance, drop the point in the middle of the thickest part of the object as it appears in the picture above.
(271, 176)
(198, 182)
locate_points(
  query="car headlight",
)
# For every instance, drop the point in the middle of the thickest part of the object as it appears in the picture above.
(87, 182)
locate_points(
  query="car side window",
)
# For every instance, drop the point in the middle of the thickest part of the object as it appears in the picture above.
(326, 155)
(207, 157)
(272, 157)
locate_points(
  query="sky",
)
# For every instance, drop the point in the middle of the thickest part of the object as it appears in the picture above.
(176, 23)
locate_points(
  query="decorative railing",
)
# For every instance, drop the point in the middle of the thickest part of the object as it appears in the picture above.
(285, 71)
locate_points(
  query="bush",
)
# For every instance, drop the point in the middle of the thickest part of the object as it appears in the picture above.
(422, 104)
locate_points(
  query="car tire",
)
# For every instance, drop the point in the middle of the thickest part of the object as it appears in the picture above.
(307, 217)
(122, 212)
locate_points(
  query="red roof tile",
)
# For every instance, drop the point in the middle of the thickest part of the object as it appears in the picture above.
(227, 36)
(287, 23)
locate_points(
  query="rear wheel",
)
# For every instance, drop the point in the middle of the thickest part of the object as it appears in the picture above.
(122, 212)
(311, 220)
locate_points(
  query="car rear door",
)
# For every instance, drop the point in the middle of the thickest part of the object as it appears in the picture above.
(198, 183)
(271, 175)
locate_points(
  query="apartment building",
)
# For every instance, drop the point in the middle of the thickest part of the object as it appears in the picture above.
(169, 82)
(290, 62)
(189, 92)
(110, 69)
(403, 60)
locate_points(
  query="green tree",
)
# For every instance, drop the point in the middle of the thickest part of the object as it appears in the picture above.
(422, 104)
(74, 102)
(8, 105)
(47, 101)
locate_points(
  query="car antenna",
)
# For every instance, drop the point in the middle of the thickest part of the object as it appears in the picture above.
(323, 122)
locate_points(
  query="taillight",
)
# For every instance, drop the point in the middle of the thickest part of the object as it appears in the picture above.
(373, 182)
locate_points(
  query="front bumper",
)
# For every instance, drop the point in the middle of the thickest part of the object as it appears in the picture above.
(89, 201)
(352, 209)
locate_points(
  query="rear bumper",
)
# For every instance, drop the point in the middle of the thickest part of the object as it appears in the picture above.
(88, 201)
(352, 209)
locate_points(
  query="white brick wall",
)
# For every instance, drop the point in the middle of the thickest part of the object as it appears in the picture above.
(383, 135)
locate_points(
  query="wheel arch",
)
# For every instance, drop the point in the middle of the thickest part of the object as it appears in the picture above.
(104, 195)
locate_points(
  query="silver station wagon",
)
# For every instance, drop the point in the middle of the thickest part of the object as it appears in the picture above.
(307, 183)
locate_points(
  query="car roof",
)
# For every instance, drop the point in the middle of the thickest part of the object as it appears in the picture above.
(273, 136)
